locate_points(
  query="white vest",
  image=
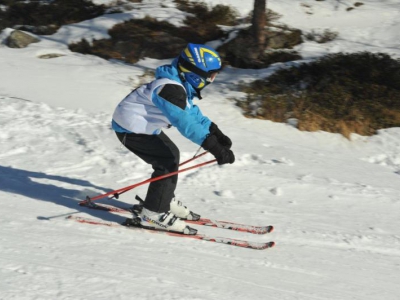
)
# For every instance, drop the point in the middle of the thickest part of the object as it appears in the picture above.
(137, 112)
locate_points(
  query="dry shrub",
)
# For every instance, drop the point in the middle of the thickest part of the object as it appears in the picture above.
(219, 14)
(342, 93)
(135, 39)
(57, 12)
(139, 38)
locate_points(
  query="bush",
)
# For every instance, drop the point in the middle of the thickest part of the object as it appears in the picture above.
(342, 93)
(135, 39)
(57, 12)
(219, 14)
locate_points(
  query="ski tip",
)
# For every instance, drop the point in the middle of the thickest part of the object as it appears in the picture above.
(261, 246)
(263, 230)
(265, 246)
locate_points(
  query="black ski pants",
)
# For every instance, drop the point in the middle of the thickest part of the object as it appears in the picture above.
(163, 155)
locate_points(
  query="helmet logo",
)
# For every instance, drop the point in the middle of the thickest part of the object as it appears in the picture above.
(197, 55)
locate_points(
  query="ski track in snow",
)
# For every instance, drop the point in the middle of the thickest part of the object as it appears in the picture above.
(330, 244)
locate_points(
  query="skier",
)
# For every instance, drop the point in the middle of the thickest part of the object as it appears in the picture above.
(168, 101)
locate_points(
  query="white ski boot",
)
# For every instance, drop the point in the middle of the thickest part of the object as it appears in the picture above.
(164, 221)
(181, 211)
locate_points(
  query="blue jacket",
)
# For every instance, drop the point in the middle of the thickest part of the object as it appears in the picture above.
(144, 111)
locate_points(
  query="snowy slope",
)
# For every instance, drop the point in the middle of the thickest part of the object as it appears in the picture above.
(335, 203)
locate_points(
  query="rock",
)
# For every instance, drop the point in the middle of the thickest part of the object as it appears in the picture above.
(20, 39)
(50, 55)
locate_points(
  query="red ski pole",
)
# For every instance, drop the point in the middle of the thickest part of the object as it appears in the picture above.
(193, 158)
(116, 195)
(117, 192)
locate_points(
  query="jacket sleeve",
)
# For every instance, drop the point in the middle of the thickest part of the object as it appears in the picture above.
(200, 117)
(188, 120)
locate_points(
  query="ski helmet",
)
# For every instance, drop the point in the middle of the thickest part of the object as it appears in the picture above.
(199, 64)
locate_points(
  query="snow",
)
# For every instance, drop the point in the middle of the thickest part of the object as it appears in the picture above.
(334, 202)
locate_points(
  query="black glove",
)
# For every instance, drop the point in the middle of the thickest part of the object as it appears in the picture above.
(222, 138)
(221, 153)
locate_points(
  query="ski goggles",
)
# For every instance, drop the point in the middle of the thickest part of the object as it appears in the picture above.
(208, 76)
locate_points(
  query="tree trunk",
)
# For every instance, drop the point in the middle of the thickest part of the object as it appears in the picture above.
(259, 22)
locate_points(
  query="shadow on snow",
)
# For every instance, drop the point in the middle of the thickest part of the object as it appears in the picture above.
(36, 185)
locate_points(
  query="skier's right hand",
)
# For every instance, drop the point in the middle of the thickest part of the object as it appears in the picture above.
(221, 153)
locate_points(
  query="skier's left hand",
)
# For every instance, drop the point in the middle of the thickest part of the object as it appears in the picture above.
(222, 138)
(221, 153)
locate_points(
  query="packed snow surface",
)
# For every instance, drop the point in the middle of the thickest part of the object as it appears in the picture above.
(334, 203)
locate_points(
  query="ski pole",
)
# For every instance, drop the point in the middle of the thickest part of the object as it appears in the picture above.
(193, 158)
(116, 195)
(88, 200)
(181, 164)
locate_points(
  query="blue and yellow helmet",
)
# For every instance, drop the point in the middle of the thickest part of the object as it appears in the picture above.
(198, 65)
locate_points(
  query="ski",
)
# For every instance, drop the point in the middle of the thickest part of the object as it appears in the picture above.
(203, 237)
(202, 221)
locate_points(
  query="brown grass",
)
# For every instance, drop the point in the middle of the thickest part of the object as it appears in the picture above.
(135, 39)
(56, 13)
(341, 93)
